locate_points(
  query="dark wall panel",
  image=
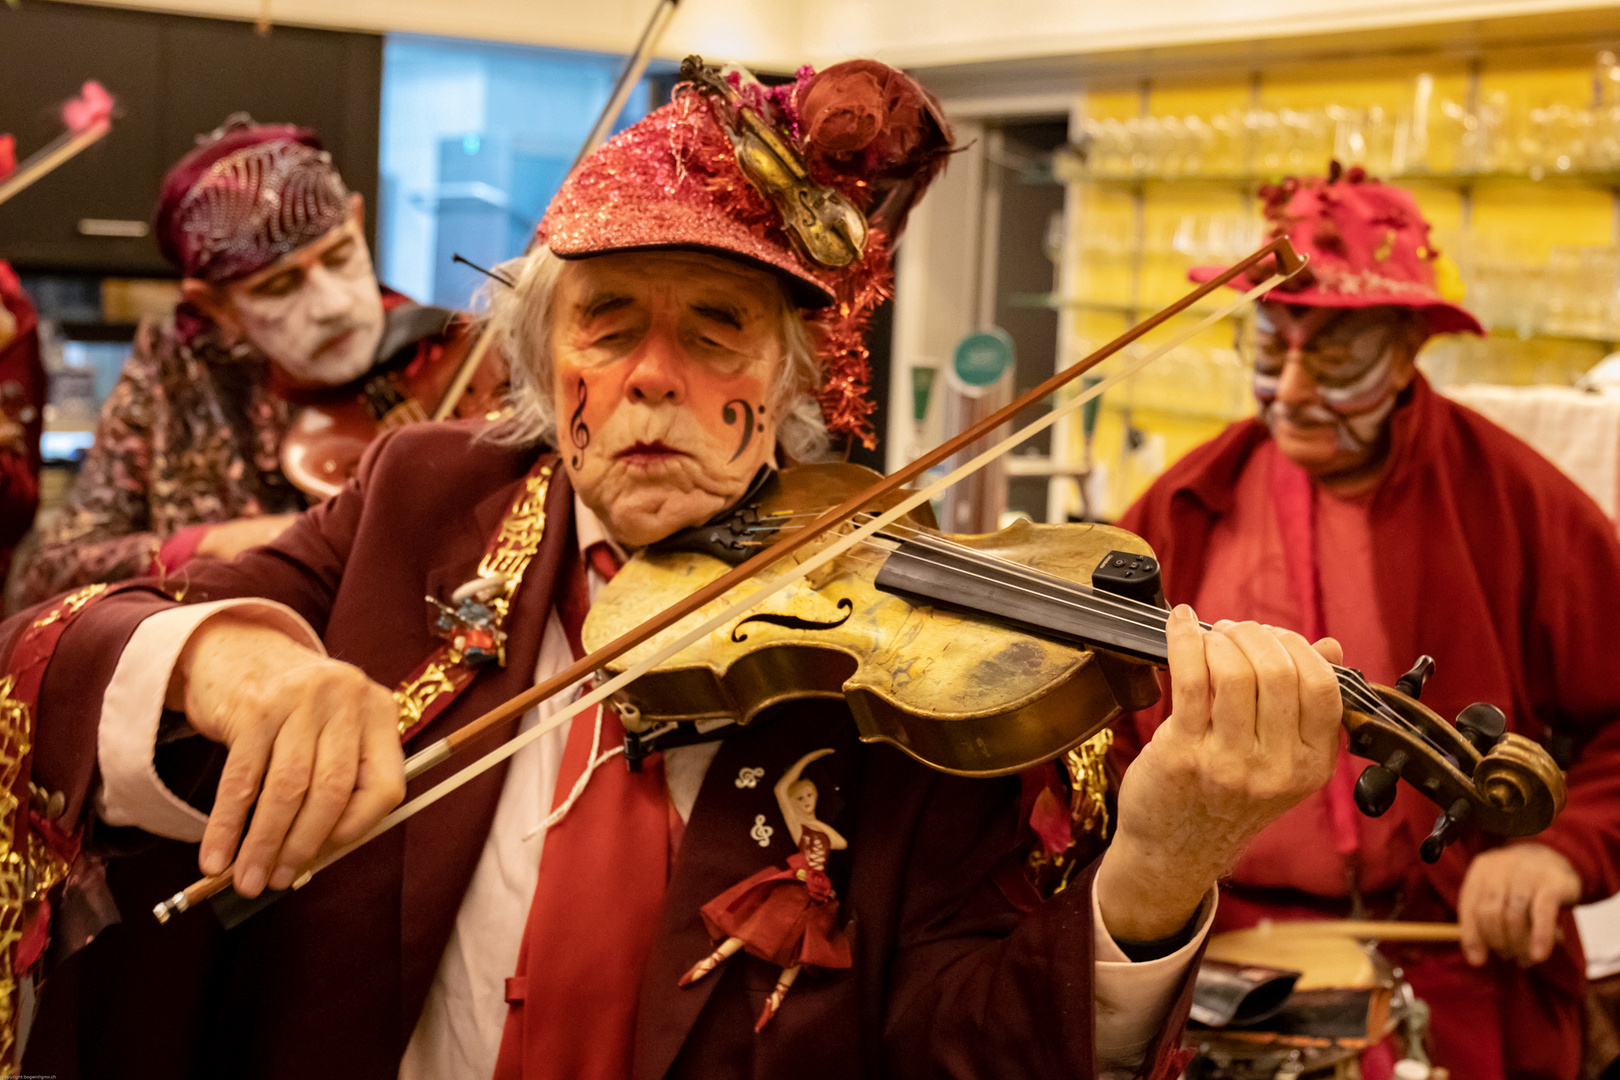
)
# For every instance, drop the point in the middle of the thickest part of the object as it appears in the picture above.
(47, 51)
(174, 78)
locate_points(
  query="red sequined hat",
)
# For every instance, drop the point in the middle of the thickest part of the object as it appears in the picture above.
(812, 181)
(1368, 244)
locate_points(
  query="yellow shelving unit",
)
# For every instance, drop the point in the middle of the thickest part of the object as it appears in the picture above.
(1475, 139)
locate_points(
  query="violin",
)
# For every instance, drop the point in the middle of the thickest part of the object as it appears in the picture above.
(987, 655)
(331, 430)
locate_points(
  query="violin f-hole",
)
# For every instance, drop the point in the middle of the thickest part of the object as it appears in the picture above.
(794, 622)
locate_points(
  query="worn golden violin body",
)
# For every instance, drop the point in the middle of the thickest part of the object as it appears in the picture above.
(960, 693)
(985, 655)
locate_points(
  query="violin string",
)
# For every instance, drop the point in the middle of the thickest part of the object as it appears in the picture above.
(1148, 617)
(1356, 693)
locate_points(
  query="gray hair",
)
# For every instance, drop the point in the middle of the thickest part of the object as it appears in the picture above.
(522, 317)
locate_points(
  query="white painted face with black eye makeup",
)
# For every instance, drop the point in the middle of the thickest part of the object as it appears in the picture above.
(316, 313)
(662, 366)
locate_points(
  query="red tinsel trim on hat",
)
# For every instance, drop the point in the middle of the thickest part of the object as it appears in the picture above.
(846, 403)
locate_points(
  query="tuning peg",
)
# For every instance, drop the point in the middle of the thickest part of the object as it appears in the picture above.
(1375, 788)
(1411, 684)
(1483, 725)
(1444, 832)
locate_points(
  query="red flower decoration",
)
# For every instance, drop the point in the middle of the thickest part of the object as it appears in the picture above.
(93, 106)
(867, 119)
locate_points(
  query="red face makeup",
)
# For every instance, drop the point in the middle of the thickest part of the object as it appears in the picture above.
(663, 365)
(1326, 380)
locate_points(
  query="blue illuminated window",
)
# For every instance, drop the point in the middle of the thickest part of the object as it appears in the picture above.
(476, 139)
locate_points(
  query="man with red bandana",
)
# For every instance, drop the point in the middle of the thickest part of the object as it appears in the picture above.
(671, 334)
(279, 305)
(1363, 505)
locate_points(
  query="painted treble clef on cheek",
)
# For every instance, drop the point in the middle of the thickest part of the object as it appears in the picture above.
(578, 433)
(749, 424)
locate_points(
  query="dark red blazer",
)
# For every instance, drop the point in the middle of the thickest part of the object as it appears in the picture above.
(950, 977)
(1496, 564)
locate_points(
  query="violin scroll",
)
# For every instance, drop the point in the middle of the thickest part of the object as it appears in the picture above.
(1481, 773)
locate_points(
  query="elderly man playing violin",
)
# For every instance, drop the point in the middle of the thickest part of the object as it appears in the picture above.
(280, 308)
(562, 915)
(1362, 504)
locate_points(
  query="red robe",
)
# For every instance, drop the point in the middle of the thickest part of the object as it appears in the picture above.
(1496, 564)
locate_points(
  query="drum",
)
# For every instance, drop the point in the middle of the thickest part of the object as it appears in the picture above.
(1288, 1002)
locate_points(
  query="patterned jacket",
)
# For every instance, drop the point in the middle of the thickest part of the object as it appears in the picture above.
(191, 435)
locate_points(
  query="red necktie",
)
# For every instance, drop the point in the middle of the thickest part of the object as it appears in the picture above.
(572, 1003)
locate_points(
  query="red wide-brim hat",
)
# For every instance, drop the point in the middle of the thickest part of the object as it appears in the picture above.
(1368, 244)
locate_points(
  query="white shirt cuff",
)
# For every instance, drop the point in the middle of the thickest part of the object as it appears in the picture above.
(131, 792)
(1134, 999)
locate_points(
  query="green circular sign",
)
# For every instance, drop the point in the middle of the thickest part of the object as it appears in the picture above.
(984, 357)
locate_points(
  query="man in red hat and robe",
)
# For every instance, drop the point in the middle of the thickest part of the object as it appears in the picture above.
(1363, 505)
(280, 306)
(670, 333)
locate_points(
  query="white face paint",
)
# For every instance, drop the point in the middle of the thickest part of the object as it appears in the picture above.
(317, 313)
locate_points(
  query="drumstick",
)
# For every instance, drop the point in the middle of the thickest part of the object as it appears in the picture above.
(51, 156)
(1384, 930)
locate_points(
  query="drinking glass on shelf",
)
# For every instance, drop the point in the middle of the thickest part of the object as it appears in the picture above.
(1265, 133)
(1226, 155)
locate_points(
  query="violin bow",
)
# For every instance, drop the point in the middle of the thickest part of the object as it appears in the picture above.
(1289, 264)
(635, 65)
(88, 124)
